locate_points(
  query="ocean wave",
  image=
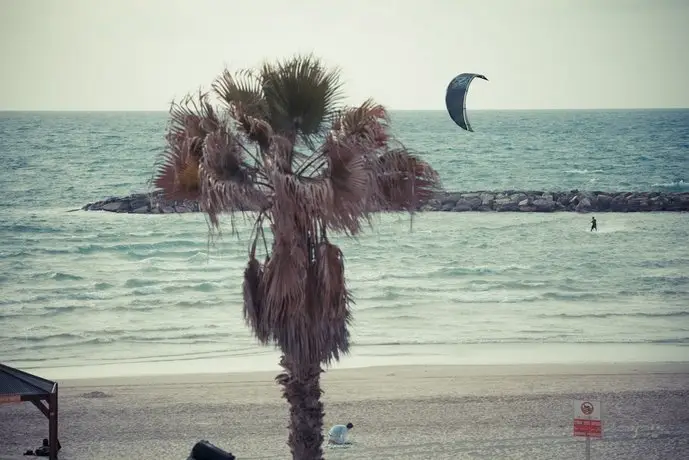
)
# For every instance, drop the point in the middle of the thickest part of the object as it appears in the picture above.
(385, 294)
(67, 345)
(664, 263)
(678, 185)
(671, 314)
(148, 304)
(53, 309)
(102, 286)
(22, 310)
(584, 171)
(505, 297)
(160, 248)
(201, 286)
(39, 335)
(32, 229)
(189, 250)
(72, 360)
(477, 270)
(29, 300)
(559, 339)
(35, 339)
(59, 276)
(678, 280)
(140, 282)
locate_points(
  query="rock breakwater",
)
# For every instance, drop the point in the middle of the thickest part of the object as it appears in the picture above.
(487, 201)
(572, 201)
(143, 203)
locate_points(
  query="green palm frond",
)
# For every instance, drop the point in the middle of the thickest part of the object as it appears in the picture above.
(302, 95)
(241, 91)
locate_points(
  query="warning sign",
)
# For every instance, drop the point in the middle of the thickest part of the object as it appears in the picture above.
(587, 419)
(7, 399)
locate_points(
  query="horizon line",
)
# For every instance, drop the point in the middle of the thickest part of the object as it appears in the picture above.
(390, 110)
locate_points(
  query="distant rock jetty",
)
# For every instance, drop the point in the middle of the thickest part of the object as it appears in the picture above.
(505, 201)
(143, 203)
(572, 201)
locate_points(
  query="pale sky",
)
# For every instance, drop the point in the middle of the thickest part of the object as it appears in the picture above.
(140, 54)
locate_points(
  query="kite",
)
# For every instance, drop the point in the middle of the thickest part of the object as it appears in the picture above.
(455, 98)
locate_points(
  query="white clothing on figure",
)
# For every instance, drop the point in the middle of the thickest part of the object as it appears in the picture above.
(338, 434)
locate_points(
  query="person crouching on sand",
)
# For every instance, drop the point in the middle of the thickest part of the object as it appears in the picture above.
(338, 434)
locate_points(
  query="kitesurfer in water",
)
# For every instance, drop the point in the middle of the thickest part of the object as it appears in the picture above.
(594, 226)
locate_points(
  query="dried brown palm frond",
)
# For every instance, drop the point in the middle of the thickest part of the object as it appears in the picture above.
(298, 299)
(333, 313)
(403, 181)
(350, 179)
(256, 129)
(366, 174)
(191, 120)
(367, 124)
(228, 182)
(279, 154)
(178, 176)
(224, 156)
(298, 202)
(206, 161)
(253, 299)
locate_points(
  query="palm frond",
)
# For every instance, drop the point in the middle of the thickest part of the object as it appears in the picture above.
(228, 182)
(298, 202)
(350, 178)
(256, 129)
(402, 181)
(253, 301)
(301, 94)
(191, 120)
(242, 94)
(334, 301)
(367, 124)
(241, 91)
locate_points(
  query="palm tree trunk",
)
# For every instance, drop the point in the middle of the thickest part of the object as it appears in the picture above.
(302, 390)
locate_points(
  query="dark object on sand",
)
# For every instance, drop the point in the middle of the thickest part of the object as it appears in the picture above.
(18, 386)
(44, 450)
(204, 450)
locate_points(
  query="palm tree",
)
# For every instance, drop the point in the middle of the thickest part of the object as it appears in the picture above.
(282, 148)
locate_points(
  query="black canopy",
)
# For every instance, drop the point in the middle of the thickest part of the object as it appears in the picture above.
(17, 386)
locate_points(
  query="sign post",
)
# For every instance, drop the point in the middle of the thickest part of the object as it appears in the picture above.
(588, 422)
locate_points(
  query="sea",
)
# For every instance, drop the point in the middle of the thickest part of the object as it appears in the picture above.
(97, 294)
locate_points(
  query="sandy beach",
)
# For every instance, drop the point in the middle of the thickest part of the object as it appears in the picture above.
(406, 412)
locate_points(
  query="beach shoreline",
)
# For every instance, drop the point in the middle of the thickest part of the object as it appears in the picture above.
(401, 412)
(266, 359)
(376, 372)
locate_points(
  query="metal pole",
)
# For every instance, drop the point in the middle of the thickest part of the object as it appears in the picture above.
(588, 448)
(52, 423)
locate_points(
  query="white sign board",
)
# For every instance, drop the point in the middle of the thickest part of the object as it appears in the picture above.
(587, 419)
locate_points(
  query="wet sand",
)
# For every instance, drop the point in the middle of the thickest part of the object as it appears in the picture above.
(402, 412)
